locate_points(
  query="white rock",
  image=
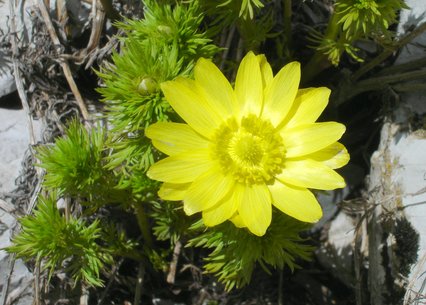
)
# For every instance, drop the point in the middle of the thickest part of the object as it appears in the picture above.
(7, 82)
(407, 150)
(23, 30)
(414, 16)
(14, 139)
(409, 176)
(21, 278)
(410, 18)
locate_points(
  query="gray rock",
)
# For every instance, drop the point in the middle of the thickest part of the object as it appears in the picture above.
(337, 250)
(14, 139)
(407, 152)
(20, 288)
(7, 82)
(414, 16)
(23, 30)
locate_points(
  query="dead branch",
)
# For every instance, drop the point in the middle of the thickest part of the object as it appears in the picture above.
(64, 63)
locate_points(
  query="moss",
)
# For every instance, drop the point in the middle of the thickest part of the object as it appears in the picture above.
(407, 245)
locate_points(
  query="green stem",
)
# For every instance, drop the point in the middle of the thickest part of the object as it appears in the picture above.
(287, 24)
(139, 284)
(143, 223)
(319, 61)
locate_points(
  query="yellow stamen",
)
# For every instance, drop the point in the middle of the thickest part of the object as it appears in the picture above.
(252, 152)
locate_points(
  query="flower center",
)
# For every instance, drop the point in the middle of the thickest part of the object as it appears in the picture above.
(246, 149)
(252, 152)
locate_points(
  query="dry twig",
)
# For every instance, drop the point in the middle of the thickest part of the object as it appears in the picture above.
(17, 72)
(64, 63)
(173, 265)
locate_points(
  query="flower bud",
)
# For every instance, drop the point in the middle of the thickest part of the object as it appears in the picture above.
(147, 86)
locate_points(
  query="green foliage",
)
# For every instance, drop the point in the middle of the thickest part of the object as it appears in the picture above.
(170, 222)
(226, 12)
(353, 20)
(55, 242)
(245, 8)
(364, 18)
(165, 25)
(255, 32)
(253, 20)
(117, 242)
(236, 251)
(75, 165)
(335, 49)
(74, 162)
(130, 158)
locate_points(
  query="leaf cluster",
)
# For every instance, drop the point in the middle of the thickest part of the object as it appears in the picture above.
(334, 49)
(235, 251)
(56, 242)
(367, 18)
(244, 8)
(357, 19)
(170, 222)
(75, 165)
(253, 19)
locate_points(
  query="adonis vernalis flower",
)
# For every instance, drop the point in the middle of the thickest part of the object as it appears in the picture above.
(246, 148)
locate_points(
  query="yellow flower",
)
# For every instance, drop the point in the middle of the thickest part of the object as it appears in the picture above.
(247, 148)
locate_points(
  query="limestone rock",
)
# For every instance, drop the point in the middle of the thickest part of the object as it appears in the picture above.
(14, 139)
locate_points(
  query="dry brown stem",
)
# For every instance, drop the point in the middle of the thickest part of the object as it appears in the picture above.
(17, 72)
(64, 63)
(173, 265)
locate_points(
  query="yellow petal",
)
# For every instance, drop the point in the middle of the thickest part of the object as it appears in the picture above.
(255, 207)
(311, 174)
(265, 69)
(218, 91)
(309, 104)
(306, 139)
(221, 212)
(207, 190)
(174, 138)
(249, 86)
(173, 191)
(183, 96)
(238, 221)
(181, 168)
(296, 202)
(334, 156)
(281, 92)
